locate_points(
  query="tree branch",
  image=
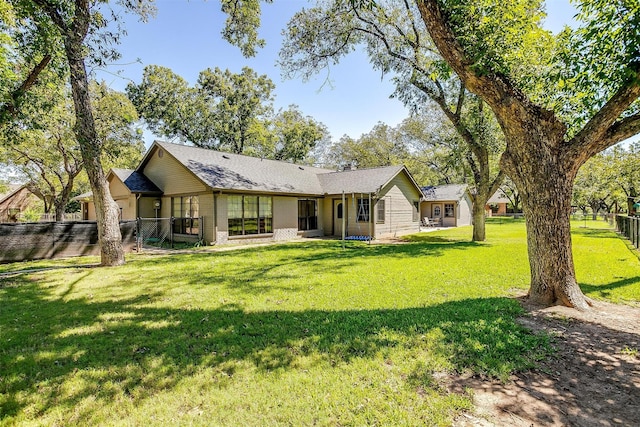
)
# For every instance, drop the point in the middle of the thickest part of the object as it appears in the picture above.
(603, 131)
(10, 108)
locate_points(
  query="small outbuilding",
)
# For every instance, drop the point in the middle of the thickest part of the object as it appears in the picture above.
(447, 205)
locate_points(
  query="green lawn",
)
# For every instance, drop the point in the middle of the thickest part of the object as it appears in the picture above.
(288, 334)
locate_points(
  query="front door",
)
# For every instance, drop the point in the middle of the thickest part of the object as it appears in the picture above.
(338, 212)
(436, 213)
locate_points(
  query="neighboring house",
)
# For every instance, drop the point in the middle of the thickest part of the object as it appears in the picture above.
(448, 205)
(15, 202)
(246, 198)
(497, 204)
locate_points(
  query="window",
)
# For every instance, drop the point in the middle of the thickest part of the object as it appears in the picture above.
(307, 214)
(380, 211)
(416, 212)
(249, 215)
(437, 211)
(186, 213)
(363, 210)
(448, 210)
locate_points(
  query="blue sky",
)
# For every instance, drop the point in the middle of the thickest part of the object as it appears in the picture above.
(185, 36)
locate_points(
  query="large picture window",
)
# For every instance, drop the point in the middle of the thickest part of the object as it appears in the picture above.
(363, 210)
(186, 211)
(249, 215)
(307, 214)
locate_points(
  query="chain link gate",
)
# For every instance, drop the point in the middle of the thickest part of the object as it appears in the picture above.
(154, 232)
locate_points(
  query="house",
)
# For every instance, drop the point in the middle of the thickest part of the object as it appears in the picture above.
(497, 204)
(449, 205)
(222, 197)
(15, 202)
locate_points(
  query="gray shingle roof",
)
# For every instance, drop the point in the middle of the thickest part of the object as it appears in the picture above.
(136, 182)
(444, 192)
(227, 171)
(358, 181)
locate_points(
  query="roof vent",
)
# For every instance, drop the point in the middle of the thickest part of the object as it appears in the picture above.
(301, 168)
(224, 156)
(349, 167)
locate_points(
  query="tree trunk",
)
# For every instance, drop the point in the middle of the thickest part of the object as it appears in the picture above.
(107, 212)
(546, 189)
(479, 229)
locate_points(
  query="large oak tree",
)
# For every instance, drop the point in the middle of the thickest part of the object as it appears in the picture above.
(544, 152)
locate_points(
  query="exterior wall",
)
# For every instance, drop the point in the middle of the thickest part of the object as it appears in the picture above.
(127, 205)
(221, 219)
(285, 218)
(170, 176)
(327, 216)
(89, 211)
(464, 211)
(399, 196)
(208, 215)
(146, 207)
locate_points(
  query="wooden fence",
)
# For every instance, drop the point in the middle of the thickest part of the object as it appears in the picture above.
(45, 240)
(629, 227)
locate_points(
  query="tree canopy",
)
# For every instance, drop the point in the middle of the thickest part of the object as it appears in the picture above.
(224, 111)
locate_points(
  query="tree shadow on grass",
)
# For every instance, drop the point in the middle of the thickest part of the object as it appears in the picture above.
(604, 290)
(237, 269)
(138, 349)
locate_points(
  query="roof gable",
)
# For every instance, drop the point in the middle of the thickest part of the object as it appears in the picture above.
(358, 180)
(135, 181)
(444, 192)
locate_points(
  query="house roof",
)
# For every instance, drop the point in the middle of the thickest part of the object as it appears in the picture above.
(358, 180)
(136, 182)
(498, 197)
(444, 192)
(227, 171)
(12, 189)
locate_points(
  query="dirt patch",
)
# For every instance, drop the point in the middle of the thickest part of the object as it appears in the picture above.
(592, 380)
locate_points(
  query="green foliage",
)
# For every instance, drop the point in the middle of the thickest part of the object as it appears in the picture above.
(296, 135)
(31, 214)
(241, 101)
(241, 26)
(502, 38)
(225, 111)
(44, 148)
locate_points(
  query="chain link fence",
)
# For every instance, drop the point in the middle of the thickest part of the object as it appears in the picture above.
(165, 232)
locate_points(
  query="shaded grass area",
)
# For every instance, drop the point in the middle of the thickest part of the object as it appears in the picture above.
(296, 334)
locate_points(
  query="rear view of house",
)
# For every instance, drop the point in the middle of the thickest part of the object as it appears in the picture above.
(221, 197)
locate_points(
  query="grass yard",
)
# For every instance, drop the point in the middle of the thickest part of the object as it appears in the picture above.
(288, 334)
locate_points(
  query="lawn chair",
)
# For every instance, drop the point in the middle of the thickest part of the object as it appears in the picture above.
(427, 222)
